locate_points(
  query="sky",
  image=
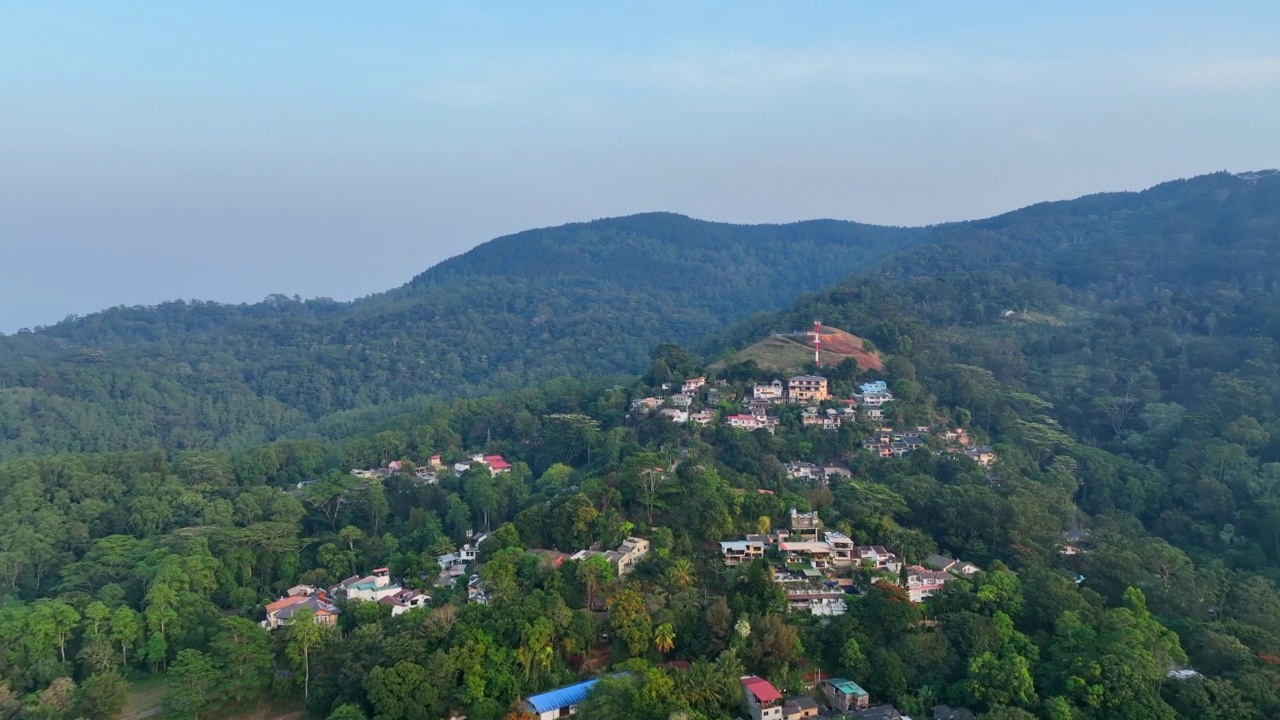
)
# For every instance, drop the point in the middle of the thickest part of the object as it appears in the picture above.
(227, 151)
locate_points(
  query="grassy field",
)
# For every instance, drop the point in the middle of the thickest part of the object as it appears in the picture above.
(793, 353)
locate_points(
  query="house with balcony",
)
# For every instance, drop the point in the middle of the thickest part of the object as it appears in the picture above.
(763, 700)
(768, 391)
(923, 583)
(811, 552)
(739, 552)
(692, 384)
(876, 558)
(807, 388)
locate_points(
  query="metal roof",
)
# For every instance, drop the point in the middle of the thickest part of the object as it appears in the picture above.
(560, 697)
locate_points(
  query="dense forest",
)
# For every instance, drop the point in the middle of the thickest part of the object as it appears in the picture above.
(590, 298)
(1118, 352)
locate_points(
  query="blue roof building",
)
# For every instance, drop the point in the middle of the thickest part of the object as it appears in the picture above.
(879, 386)
(560, 702)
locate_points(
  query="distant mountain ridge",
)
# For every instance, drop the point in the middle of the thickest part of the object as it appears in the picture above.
(585, 298)
(596, 298)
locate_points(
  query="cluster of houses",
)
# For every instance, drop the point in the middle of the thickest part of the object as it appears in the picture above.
(888, 442)
(811, 561)
(800, 389)
(430, 473)
(375, 587)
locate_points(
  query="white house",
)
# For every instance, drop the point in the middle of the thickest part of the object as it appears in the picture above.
(372, 587)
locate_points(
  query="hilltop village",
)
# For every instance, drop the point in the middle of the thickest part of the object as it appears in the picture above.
(819, 570)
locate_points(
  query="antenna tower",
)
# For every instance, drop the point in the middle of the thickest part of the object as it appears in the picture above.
(817, 343)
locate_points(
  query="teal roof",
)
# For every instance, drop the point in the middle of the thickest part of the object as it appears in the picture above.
(847, 686)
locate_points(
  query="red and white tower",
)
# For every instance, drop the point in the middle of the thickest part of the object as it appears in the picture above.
(817, 343)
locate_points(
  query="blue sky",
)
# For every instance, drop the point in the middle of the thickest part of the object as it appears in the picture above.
(152, 151)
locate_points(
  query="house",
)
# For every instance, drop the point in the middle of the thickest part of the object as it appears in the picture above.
(874, 413)
(471, 548)
(496, 464)
(692, 384)
(646, 404)
(871, 388)
(737, 552)
(372, 587)
(764, 702)
(876, 558)
(703, 418)
(449, 577)
(827, 420)
(982, 454)
(630, 552)
(476, 590)
(831, 472)
(678, 417)
(823, 601)
(879, 712)
(805, 526)
(923, 583)
(951, 565)
(558, 703)
(436, 462)
(817, 554)
(406, 600)
(842, 548)
(802, 471)
(749, 422)
(771, 391)
(844, 695)
(713, 396)
(799, 707)
(807, 388)
(682, 400)
(281, 612)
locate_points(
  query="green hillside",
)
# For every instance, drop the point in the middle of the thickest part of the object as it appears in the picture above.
(1126, 536)
(586, 298)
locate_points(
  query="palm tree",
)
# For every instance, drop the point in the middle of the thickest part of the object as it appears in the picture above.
(680, 574)
(664, 638)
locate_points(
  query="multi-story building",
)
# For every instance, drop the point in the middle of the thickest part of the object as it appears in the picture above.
(630, 552)
(923, 583)
(764, 702)
(807, 388)
(768, 391)
(805, 525)
(738, 552)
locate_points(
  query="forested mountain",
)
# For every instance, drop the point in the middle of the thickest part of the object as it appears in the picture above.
(1119, 352)
(588, 298)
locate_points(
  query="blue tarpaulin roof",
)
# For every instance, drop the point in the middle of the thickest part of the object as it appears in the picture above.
(560, 697)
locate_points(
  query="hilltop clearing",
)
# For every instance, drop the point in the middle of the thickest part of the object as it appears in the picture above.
(792, 352)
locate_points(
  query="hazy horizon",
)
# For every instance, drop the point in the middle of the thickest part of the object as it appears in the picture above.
(153, 153)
